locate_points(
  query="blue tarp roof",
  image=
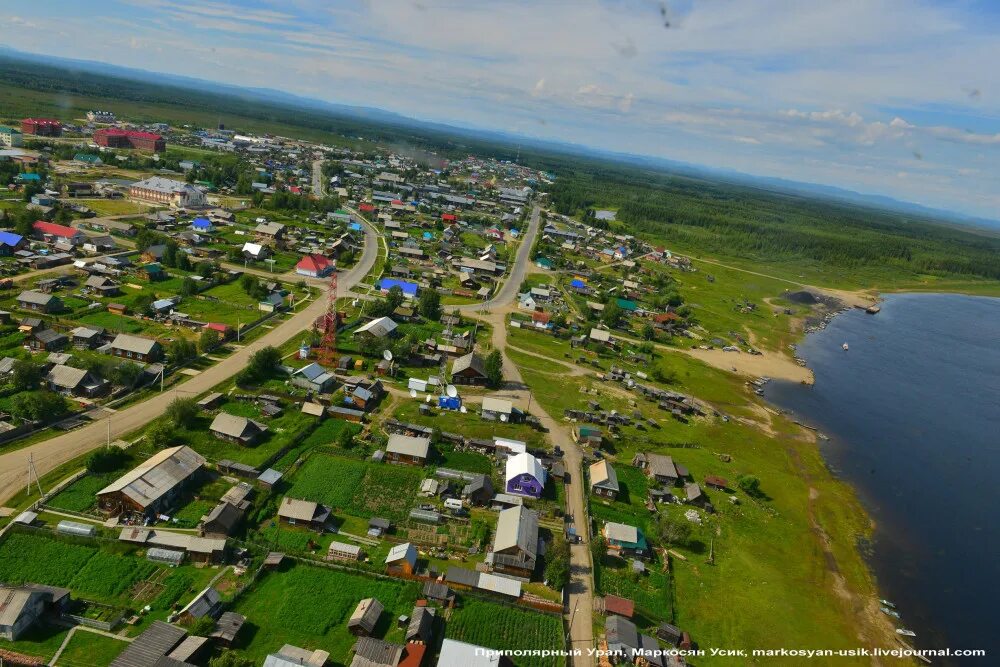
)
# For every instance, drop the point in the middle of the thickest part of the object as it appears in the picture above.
(407, 287)
(355, 226)
(201, 223)
(577, 283)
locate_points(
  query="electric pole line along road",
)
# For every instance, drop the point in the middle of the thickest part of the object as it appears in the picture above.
(49, 454)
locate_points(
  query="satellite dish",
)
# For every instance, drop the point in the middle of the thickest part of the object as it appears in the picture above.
(451, 391)
(413, 393)
(463, 409)
(428, 400)
(387, 355)
(354, 303)
(503, 418)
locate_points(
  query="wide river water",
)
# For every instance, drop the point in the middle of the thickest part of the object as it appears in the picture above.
(913, 415)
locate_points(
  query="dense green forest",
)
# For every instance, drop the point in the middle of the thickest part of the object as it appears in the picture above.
(739, 221)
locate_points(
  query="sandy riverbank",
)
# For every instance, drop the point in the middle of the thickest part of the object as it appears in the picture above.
(767, 364)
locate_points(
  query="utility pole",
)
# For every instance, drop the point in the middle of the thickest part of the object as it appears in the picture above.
(32, 473)
(109, 431)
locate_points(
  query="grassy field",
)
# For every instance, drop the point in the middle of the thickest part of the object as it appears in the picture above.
(501, 627)
(357, 487)
(753, 541)
(468, 424)
(40, 641)
(309, 607)
(281, 432)
(106, 207)
(90, 649)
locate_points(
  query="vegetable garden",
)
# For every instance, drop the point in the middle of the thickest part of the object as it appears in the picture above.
(500, 627)
(357, 487)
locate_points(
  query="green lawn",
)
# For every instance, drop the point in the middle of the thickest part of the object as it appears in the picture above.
(309, 606)
(91, 649)
(40, 641)
(282, 431)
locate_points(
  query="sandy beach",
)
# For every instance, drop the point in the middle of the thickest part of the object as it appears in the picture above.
(770, 364)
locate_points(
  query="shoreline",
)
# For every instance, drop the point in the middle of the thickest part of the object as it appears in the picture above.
(815, 432)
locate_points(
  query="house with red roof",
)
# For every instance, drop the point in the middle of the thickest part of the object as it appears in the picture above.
(449, 217)
(55, 233)
(366, 208)
(314, 266)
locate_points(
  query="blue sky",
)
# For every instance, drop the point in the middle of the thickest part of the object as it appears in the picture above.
(896, 97)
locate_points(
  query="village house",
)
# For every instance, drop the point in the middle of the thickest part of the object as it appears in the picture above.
(479, 490)
(402, 558)
(624, 540)
(238, 430)
(603, 480)
(256, 251)
(498, 409)
(365, 617)
(270, 233)
(380, 327)
(303, 512)
(222, 521)
(23, 606)
(293, 656)
(102, 286)
(469, 369)
(39, 302)
(524, 476)
(314, 378)
(421, 627)
(314, 266)
(75, 381)
(154, 647)
(55, 233)
(659, 467)
(47, 340)
(515, 543)
(588, 435)
(154, 485)
(136, 348)
(407, 449)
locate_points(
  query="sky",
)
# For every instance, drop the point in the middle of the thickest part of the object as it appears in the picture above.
(894, 97)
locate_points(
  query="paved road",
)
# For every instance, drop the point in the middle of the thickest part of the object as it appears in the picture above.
(53, 452)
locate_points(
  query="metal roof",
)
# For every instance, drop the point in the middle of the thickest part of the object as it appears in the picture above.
(517, 527)
(408, 445)
(157, 475)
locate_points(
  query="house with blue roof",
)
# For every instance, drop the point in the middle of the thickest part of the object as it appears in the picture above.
(409, 289)
(11, 243)
(627, 305)
(28, 178)
(202, 225)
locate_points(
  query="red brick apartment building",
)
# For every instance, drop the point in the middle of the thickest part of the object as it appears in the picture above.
(113, 137)
(42, 127)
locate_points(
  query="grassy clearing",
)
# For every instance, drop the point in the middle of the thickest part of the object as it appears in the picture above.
(754, 541)
(92, 649)
(309, 607)
(105, 207)
(501, 627)
(469, 424)
(40, 641)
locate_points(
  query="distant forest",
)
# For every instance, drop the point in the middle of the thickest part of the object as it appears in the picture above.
(741, 221)
(680, 210)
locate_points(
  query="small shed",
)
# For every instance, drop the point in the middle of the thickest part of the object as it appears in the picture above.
(365, 617)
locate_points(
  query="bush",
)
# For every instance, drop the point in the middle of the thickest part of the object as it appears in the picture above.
(750, 485)
(182, 412)
(106, 460)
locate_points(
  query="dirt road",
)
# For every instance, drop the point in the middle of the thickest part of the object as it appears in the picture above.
(53, 452)
(580, 588)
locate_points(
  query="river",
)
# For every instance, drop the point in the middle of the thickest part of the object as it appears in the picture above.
(913, 415)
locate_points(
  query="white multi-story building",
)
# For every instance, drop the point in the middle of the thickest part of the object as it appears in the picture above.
(10, 137)
(100, 116)
(159, 190)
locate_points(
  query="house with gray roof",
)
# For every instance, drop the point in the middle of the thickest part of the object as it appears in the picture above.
(152, 486)
(136, 348)
(235, 429)
(365, 617)
(515, 543)
(22, 606)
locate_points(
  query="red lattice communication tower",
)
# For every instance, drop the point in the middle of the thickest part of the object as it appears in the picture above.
(328, 348)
